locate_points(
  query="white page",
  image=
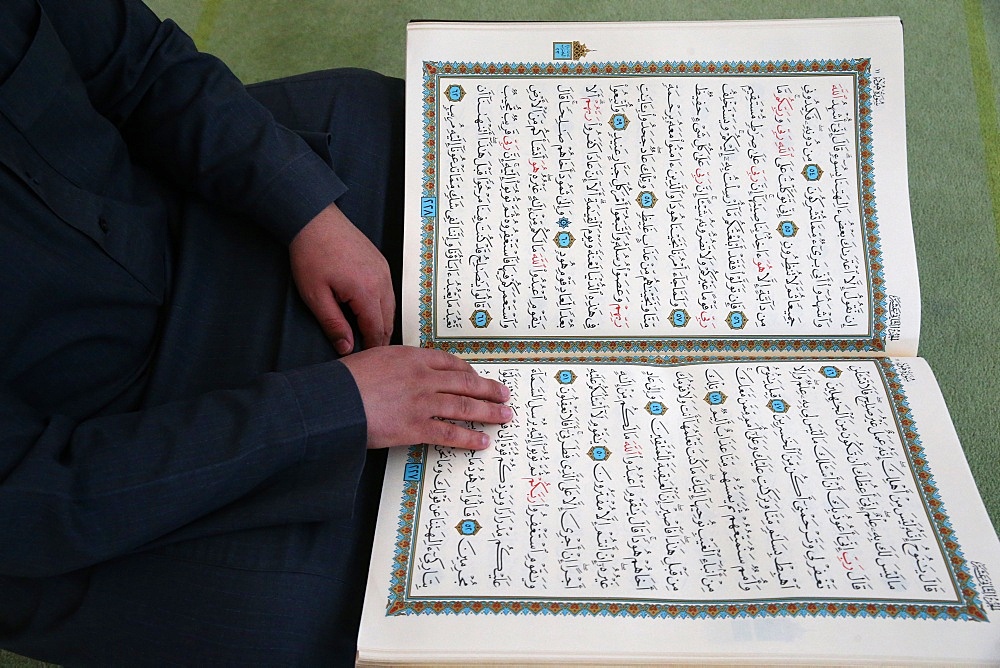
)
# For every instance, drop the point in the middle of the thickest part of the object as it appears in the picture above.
(489, 266)
(797, 535)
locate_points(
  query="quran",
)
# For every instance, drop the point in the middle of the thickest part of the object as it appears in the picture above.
(687, 250)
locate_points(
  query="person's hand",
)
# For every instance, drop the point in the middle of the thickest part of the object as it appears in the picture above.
(334, 264)
(410, 394)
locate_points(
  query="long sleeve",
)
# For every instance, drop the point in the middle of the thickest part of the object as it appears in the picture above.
(88, 469)
(184, 113)
(78, 492)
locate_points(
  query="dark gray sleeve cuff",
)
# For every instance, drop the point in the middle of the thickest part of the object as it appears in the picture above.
(332, 413)
(295, 194)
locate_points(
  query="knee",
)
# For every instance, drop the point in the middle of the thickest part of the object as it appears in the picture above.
(334, 100)
(370, 84)
(370, 98)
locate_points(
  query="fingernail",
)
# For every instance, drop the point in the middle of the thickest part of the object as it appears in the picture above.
(506, 413)
(484, 441)
(343, 346)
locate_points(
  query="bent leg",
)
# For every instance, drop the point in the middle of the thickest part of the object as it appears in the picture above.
(233, 592)
(282, 596)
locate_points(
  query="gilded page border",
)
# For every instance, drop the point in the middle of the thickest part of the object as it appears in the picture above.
(860, 69)
(967, 607)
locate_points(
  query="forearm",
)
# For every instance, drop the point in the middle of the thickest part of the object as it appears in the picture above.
(77, 493)
(185, 114)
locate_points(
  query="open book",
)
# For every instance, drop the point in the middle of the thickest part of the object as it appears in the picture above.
(687, 250)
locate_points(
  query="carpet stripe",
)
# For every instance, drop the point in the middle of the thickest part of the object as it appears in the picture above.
(206, 23)
(982, 77)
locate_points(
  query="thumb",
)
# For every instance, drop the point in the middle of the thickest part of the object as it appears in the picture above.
(331, 319)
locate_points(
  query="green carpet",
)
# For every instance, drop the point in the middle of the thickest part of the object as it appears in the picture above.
(952, 97)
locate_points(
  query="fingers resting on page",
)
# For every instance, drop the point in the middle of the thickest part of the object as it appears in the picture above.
(411, 395)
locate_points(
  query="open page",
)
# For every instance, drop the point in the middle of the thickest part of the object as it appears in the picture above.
(730, 188)
(769, 510)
